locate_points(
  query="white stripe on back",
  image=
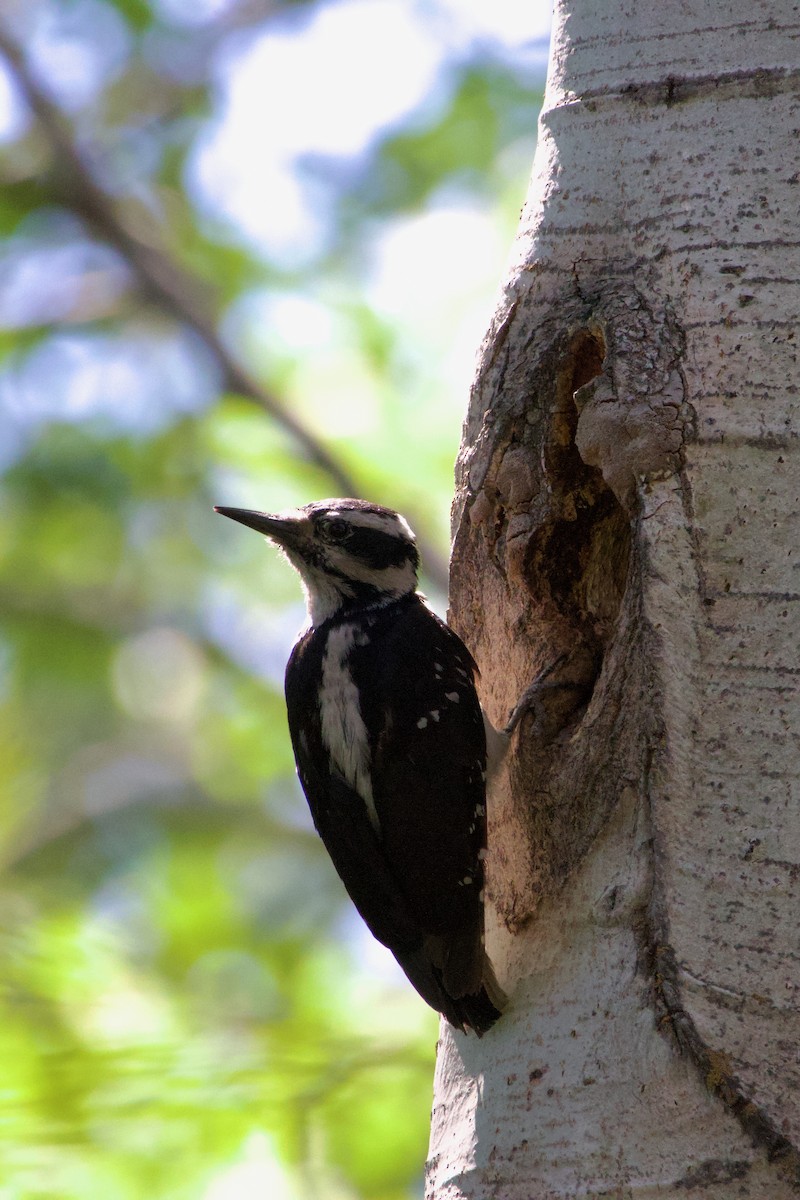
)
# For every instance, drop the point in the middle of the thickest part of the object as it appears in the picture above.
(343, 730)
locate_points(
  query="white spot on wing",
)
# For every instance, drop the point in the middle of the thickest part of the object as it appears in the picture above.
(422, 722)
(453, 697)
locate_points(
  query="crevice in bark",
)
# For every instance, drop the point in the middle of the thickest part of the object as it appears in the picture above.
(658, 961)
(575, 569)
(560, 540)
(563, 433)
(576, 562)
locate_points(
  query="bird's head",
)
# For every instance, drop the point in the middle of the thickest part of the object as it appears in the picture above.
(348, 553)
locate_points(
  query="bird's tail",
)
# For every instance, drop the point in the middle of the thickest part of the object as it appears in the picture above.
(473, 1000)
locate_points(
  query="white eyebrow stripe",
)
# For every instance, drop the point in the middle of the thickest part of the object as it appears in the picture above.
(390, 523)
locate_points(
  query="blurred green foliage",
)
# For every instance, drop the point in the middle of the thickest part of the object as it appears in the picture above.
(189, 1008)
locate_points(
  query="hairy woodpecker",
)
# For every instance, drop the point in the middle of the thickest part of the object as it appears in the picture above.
(389, 740)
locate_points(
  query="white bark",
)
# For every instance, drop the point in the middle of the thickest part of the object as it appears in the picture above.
(629, 493)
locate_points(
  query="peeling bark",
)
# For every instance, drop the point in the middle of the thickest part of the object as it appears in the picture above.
(627, 508)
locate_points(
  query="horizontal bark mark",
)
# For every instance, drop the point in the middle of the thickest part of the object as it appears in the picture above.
(599, 41)
(713, 594)
(737, 1001)
(763, 83)
(651, 224)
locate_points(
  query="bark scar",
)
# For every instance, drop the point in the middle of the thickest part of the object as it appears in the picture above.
(633, 417)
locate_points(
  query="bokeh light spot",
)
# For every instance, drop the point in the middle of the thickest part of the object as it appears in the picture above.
(159, 675)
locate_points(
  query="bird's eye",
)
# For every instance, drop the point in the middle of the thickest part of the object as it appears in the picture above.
(335, 530)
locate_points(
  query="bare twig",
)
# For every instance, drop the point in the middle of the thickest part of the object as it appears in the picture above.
(183, 297)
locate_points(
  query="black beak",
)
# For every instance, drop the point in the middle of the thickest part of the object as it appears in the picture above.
(282, 530)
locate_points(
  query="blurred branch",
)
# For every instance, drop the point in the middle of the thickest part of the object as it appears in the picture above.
(58, 822)
(183, 297)
(161, 278)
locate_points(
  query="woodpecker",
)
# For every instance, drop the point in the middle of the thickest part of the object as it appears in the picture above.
(389, 741)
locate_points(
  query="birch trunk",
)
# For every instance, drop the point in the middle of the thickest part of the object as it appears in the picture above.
(628, 495)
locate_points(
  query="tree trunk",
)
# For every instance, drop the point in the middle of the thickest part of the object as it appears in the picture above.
(628, 496)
